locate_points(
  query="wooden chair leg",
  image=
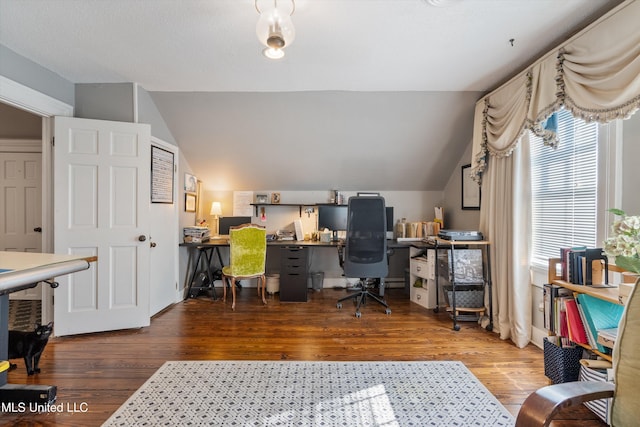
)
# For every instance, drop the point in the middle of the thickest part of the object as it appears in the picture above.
(224, 288)
(263, 285)
(233, 293)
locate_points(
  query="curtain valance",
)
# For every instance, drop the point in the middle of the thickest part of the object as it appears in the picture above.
(596, 76)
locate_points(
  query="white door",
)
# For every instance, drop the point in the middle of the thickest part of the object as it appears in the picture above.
(163, 237)
(21, 207)
(101, 208)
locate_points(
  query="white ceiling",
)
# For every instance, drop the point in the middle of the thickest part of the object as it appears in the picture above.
(185, 52)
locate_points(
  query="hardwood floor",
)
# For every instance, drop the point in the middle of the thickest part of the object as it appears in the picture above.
(96, 373)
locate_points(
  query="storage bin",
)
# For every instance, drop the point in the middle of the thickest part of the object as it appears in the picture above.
(317, 280)
(561, 364)
(599, 407)
(273, 283)
(467, 296)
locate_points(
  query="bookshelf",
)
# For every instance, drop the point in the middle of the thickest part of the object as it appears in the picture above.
(610, 294)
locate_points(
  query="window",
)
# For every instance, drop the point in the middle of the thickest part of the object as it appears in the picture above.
(564, 189)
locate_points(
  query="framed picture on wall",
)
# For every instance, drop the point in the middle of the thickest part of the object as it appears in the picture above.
(161, 175)
(190, 202)
(190, 183)
(470, 190)
(275, 198)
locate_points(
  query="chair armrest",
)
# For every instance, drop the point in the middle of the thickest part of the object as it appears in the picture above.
(542, 405)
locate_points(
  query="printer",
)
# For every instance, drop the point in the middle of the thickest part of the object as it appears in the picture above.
(468, 235)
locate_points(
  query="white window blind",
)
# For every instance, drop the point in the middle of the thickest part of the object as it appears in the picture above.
(564, 189)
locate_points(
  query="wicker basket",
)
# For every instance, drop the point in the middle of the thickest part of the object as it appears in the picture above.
(561, 364)
(467, 296)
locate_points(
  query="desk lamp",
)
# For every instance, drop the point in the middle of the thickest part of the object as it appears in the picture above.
(216, 211)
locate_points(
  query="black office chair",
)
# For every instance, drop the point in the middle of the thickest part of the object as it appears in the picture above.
(365, 252)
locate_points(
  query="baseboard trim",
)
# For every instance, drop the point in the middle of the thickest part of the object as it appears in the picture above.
(537, 336)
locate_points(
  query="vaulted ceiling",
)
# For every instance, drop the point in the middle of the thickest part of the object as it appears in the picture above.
(372, 94)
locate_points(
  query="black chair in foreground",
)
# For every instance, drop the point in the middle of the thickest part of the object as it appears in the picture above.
(365, 253)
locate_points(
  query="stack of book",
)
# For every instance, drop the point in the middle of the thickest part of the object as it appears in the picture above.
(583, 266)
(585, 319)
(196, 234)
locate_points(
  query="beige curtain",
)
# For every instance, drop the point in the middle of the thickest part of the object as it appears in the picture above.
(596, 75)
(504, 218)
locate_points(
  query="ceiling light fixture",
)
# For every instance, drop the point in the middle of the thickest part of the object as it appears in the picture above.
(275, 27)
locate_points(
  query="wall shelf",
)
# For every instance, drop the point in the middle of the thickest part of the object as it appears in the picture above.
(299, 205)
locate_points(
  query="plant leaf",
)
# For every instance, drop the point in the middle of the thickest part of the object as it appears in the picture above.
(618, 212)
(628, 263)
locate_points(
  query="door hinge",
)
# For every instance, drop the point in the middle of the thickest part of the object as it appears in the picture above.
(53, 141)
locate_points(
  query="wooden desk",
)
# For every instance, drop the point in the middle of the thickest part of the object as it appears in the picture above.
(18, 271)
(218, 243)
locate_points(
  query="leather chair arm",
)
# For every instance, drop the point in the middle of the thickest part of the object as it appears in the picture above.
(541, 406)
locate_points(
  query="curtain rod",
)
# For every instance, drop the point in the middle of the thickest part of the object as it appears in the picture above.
(554, 50)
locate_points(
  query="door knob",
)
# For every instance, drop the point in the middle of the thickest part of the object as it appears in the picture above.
(142, 237)
(38, 229)
(152, 244)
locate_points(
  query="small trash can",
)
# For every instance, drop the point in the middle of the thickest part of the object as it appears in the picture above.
(317, 280)
(273, 283)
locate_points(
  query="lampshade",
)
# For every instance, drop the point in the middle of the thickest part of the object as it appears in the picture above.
(216, 209)
(275, 28)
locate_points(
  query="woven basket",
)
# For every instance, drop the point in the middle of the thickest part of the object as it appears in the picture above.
(467, 296)
(561, 364)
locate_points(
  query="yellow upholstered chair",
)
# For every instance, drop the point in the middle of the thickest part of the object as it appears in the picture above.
(248, 253)
(541, 406)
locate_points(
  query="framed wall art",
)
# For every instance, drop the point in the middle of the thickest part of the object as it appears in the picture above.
(161, 175)
(190, 183)
(190, 201)
(470, 190)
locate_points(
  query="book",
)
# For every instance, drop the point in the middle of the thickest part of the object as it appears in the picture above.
(591, 339)
(607, 337)
(551, 293)
(599, 314)
(577, 332)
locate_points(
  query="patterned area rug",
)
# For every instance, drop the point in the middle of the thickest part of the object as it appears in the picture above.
(258, 393)
(24, 314)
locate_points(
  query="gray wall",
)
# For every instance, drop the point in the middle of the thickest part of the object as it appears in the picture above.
(105, 101)
(455, 217)
(148, 113)
(116, 102)
(30, 74)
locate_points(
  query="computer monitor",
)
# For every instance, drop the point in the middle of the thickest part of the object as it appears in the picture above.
(231, 221)
(389, 222)
(333, 217)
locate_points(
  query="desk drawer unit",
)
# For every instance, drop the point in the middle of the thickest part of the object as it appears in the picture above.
(421, 276)
(293, 273)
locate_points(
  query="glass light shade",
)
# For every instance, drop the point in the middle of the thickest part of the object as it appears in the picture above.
(216, 209)
(275, 28)
(273, 53)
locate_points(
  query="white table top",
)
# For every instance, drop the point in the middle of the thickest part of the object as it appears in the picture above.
(25, 260)
(27, 268)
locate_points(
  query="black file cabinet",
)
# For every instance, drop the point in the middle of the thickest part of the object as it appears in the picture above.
(293, 273)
